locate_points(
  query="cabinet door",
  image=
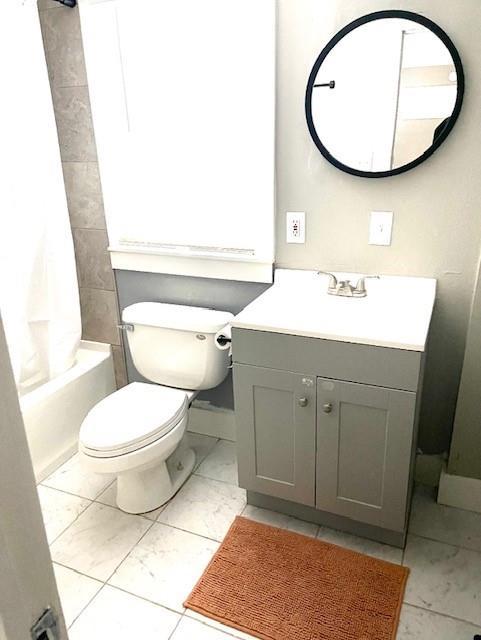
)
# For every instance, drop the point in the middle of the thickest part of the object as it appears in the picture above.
(364, 441)
(276, 432)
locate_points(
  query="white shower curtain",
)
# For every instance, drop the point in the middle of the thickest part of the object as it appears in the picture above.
(38, 283)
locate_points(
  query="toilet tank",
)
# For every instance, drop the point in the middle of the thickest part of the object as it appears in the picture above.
(175, 346)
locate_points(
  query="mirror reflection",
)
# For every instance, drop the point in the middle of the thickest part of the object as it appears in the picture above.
(383, 95)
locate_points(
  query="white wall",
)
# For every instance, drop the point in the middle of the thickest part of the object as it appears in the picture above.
(437, 206)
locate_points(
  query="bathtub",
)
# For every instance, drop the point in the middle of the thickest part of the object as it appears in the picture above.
(53, 412)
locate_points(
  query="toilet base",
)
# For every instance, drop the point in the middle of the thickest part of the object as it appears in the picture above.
(148, 489)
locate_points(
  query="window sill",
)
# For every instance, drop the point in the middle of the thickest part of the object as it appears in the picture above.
(217, 266)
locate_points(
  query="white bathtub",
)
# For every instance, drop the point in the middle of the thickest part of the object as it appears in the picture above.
(53, 412)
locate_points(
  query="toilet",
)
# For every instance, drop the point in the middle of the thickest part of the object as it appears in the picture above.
(137, 432)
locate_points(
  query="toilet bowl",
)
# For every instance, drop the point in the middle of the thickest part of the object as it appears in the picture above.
(137, 433)
(131, 434)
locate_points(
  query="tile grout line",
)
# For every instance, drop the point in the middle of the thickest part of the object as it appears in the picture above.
(437, 613)
(105, 583)
(229, 632)
(102, 585)
(176, 627)
(138, 515)
(76, 495)
(200, 475)
(71, 523)
(80, 573)
(74, 228)
(135, 595)
(131, 548)
(449, 544)
(192, 533)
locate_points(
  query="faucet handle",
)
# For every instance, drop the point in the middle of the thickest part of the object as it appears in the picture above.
(332, 278)
(361, 284)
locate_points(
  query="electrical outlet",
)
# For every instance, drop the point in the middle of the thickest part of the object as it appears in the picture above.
(296, 227)
(380, 228)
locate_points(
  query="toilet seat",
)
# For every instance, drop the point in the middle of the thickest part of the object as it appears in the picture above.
(132, 418)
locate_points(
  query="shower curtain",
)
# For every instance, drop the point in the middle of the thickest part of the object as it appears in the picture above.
(39, 299)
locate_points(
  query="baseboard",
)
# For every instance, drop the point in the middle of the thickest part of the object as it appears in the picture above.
(457, 491)
(212, 421)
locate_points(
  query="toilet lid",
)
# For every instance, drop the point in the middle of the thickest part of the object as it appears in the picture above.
(131, 416)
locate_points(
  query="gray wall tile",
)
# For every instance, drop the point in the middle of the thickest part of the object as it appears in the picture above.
(63, 47)
(74, 124)
(65, 61)
(43, 5)
(120, 367)
(93, 260)
(99, 316)
(84, 195)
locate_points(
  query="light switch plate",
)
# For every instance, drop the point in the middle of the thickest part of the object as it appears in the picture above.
(295, 227)
(380, 228)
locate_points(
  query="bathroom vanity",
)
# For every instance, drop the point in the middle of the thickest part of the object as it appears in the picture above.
(327, 394)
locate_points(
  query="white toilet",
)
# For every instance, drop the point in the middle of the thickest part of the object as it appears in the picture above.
(136, 433)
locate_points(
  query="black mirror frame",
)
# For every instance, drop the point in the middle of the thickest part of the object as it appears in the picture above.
(378, 15)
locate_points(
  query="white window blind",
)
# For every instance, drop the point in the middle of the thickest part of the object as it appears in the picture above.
(183, 101)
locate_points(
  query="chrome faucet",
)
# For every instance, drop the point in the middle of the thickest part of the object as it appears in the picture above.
(345, 288)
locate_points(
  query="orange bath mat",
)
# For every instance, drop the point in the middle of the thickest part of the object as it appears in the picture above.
(279, 585)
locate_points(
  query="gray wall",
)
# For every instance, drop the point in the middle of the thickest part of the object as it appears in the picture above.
(223, 295)
(68, 80)
(465, 456)
(437, 227)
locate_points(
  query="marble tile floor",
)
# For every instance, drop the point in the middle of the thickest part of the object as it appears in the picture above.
(122, 576)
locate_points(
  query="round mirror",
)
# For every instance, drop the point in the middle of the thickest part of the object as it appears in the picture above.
(384, 94)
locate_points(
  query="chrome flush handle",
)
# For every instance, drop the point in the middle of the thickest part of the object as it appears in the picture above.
(126, 327)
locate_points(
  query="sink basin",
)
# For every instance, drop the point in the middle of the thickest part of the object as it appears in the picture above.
(396, 312)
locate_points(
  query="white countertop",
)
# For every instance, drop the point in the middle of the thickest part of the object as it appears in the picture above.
(396, 312)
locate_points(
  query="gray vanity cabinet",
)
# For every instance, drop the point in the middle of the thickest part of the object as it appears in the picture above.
(364, 444)
(276, 432)
(326, 431)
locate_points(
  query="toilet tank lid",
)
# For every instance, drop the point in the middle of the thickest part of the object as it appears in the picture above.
(174, 316)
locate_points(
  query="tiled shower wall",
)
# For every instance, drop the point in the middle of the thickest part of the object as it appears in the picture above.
(68, 81)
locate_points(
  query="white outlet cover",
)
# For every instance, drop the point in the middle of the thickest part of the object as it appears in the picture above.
(295, 227)
(380, 228)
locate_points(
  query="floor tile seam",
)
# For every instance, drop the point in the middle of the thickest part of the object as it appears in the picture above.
(77, 495)
(137, 515)
(449, 544)
(229, 632)
(131, 548)
(176, 627)
(443, 615)
(145, 599)
(102, 585)
(71, 523)
(202, 475)
(193, 533)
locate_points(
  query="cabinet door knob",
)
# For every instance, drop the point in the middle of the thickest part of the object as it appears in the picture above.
(327, 408)
(303, 402)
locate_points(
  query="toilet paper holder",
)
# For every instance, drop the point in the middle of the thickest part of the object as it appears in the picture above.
(223, 340)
